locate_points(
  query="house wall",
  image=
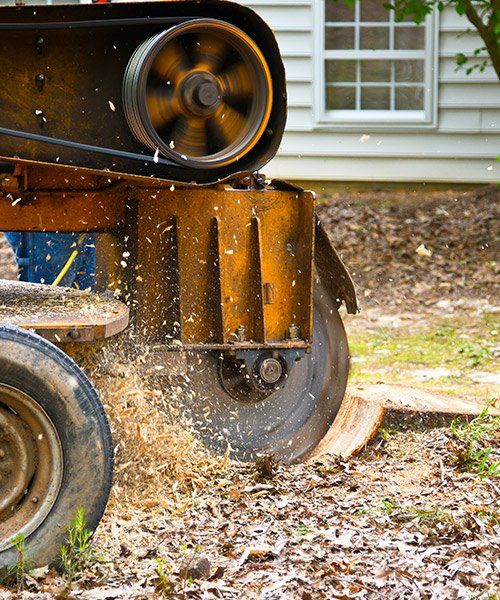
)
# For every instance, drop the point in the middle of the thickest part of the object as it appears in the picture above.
(460, 148)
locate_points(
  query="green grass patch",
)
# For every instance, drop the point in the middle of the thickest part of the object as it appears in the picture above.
(449, 350)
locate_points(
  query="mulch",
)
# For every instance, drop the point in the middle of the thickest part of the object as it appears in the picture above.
(378, 234)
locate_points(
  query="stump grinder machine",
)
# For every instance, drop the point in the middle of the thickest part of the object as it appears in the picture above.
(146, 124)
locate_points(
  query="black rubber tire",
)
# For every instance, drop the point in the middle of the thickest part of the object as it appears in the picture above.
(290, 423)
(51, 378)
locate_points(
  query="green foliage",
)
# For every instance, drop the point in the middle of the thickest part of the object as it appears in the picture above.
(475, 353)
(473, 444)
(164, 585)
(301, 532)
(383, 506)
(16, 576)
(78, 551)
(21, 566)
(455, 347)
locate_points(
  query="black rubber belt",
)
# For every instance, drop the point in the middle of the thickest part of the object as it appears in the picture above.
(86, 147)
(93, 23)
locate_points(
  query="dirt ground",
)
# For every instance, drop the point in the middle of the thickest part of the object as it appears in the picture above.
(407, 518)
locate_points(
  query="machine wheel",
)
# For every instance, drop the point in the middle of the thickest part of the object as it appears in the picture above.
(289, 423)
(55, 447)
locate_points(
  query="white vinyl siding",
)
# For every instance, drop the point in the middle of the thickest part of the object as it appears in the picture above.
(459, 144)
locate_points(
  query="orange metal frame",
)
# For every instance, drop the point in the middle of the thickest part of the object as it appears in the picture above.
(228, 266)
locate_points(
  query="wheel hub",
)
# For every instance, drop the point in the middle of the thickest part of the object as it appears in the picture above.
(17, 461)
(201, 94)
(270, 370)
(31, 464)
(252, 376)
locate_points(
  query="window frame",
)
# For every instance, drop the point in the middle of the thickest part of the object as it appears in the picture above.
(375, 119)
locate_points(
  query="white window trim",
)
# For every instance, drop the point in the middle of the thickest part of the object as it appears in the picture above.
(374, 119)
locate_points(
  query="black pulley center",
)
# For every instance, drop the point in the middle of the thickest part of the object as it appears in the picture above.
(201, 93)
(207, 94)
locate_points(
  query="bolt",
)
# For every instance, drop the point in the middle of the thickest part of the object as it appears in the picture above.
(40, 81)
(39, 44)
(2, 453)
(74, 334)
(270, 370)
(294, 332)
(34, 499)
(241, 333)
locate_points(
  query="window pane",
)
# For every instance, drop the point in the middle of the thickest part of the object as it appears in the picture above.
(409, 38)
(341, 70)
(339, 38)
(338, 11)
(410, 98)
(409, 70)
(375, 98)
(376, 70)
(373, 10)
(340, 98)
(374, 38)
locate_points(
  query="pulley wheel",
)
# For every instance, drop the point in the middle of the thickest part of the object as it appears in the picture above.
(289, 423)
(199, 93)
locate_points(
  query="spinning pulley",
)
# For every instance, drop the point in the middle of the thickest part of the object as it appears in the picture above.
(200, 92)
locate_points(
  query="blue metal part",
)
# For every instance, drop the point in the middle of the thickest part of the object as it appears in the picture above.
(41, 256)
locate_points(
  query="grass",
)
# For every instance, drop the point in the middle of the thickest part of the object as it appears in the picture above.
(459, 345)
(78, 552)
(164, 586)
(473, 444)
(401, 513)
(15, 578)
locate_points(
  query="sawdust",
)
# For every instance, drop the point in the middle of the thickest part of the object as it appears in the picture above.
(8, 267)
(22, 303)
(160, 463)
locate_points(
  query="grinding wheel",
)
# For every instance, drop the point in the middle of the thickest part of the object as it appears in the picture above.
(289, 423)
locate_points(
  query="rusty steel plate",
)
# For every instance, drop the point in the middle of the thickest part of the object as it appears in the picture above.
(61, 314)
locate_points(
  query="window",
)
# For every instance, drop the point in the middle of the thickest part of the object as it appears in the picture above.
(373, 69)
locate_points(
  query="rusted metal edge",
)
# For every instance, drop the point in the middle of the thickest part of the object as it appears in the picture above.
(332, 271)
(67, 332)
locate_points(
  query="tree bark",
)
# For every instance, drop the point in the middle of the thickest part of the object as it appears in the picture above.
(487, 32)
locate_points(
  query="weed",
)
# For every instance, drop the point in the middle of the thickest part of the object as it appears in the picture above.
(301, 532)
(475, 353)
(385, 432)
(384, 506)
(16, 575)
(78, 551)
(21, 566)
(164, 585)
(445, 331)
(472, 449)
